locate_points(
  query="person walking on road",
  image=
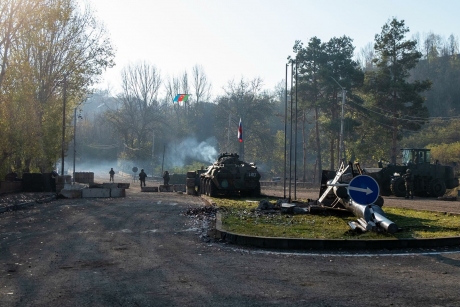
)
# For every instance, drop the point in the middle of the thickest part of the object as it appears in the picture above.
(142, 176)
(112, 173)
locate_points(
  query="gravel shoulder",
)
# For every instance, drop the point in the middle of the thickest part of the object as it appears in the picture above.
(142, 250)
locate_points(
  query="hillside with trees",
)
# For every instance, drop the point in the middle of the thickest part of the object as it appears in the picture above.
(398, 92)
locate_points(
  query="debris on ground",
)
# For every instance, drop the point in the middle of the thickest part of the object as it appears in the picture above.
(204, 220)
(14, 199)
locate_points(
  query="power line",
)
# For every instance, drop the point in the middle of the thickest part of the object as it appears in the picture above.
(406, 118)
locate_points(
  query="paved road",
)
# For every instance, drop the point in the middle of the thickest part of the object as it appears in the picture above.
(142, 251)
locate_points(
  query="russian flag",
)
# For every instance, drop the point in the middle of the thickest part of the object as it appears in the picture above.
(240, 132)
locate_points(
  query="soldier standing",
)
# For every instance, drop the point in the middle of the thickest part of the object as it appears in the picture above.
(409, 180)
(142, 176)
(166, 178)
(112, 172)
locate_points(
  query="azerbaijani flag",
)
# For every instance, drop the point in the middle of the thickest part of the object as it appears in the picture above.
(181, 98)
(240, 132)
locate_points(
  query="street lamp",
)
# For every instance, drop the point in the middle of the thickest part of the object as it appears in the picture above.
(341, 122)
(64, 95)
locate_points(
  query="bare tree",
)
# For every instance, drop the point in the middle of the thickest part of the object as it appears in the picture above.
(142, 82)
(432, 46)
(453, 45)
(138, 112)
(172, 88)
(201, 85)
(366, 56)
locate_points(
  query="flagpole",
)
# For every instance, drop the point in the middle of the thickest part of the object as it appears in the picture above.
(285, 133)
(295, 143)
(290, 137)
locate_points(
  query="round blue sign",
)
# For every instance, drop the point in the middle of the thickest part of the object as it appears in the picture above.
(363, 190)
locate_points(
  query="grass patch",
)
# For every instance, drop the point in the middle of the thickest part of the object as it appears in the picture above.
(239, 216)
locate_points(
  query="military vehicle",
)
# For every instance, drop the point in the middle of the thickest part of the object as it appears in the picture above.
(430, 180)
(230, 176)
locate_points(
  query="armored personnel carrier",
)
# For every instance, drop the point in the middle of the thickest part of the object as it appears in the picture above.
(230, 176)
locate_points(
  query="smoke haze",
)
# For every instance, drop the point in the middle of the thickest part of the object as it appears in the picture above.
(177, 154)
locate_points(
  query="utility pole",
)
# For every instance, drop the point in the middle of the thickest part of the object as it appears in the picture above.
(341, 149)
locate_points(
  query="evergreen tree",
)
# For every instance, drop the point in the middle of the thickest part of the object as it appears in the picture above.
(397, 102)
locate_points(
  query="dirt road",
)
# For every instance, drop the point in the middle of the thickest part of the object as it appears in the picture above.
(143, 251)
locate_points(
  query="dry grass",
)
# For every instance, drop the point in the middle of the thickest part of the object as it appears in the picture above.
(240, 216)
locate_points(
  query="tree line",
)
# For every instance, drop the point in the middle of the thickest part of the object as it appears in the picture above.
(396, 95)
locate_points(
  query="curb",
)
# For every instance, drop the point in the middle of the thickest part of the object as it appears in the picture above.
(326, 244)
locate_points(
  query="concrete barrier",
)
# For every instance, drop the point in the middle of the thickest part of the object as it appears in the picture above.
(10, 187)
(95, 192)
(71, 193)
(166, 188)
(179, 187)
(110, 185)
(117, 192)
(149, 189)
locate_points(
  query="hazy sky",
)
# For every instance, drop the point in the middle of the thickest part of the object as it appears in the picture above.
(234, 39)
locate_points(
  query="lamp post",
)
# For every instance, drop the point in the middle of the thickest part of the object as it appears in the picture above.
(341, 123)
(74, 141)
(64, 95)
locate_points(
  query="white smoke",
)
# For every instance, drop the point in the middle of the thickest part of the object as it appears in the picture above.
(190, 149)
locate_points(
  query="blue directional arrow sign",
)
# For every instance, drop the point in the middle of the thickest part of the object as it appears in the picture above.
(363, 190)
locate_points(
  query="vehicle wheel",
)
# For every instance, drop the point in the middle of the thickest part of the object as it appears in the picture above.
(437, 188)
(398, 187)
(212, 189)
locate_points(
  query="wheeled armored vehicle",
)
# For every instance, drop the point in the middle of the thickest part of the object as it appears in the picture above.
(230, 176)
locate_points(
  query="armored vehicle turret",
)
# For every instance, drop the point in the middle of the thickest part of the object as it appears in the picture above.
(230, 176)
